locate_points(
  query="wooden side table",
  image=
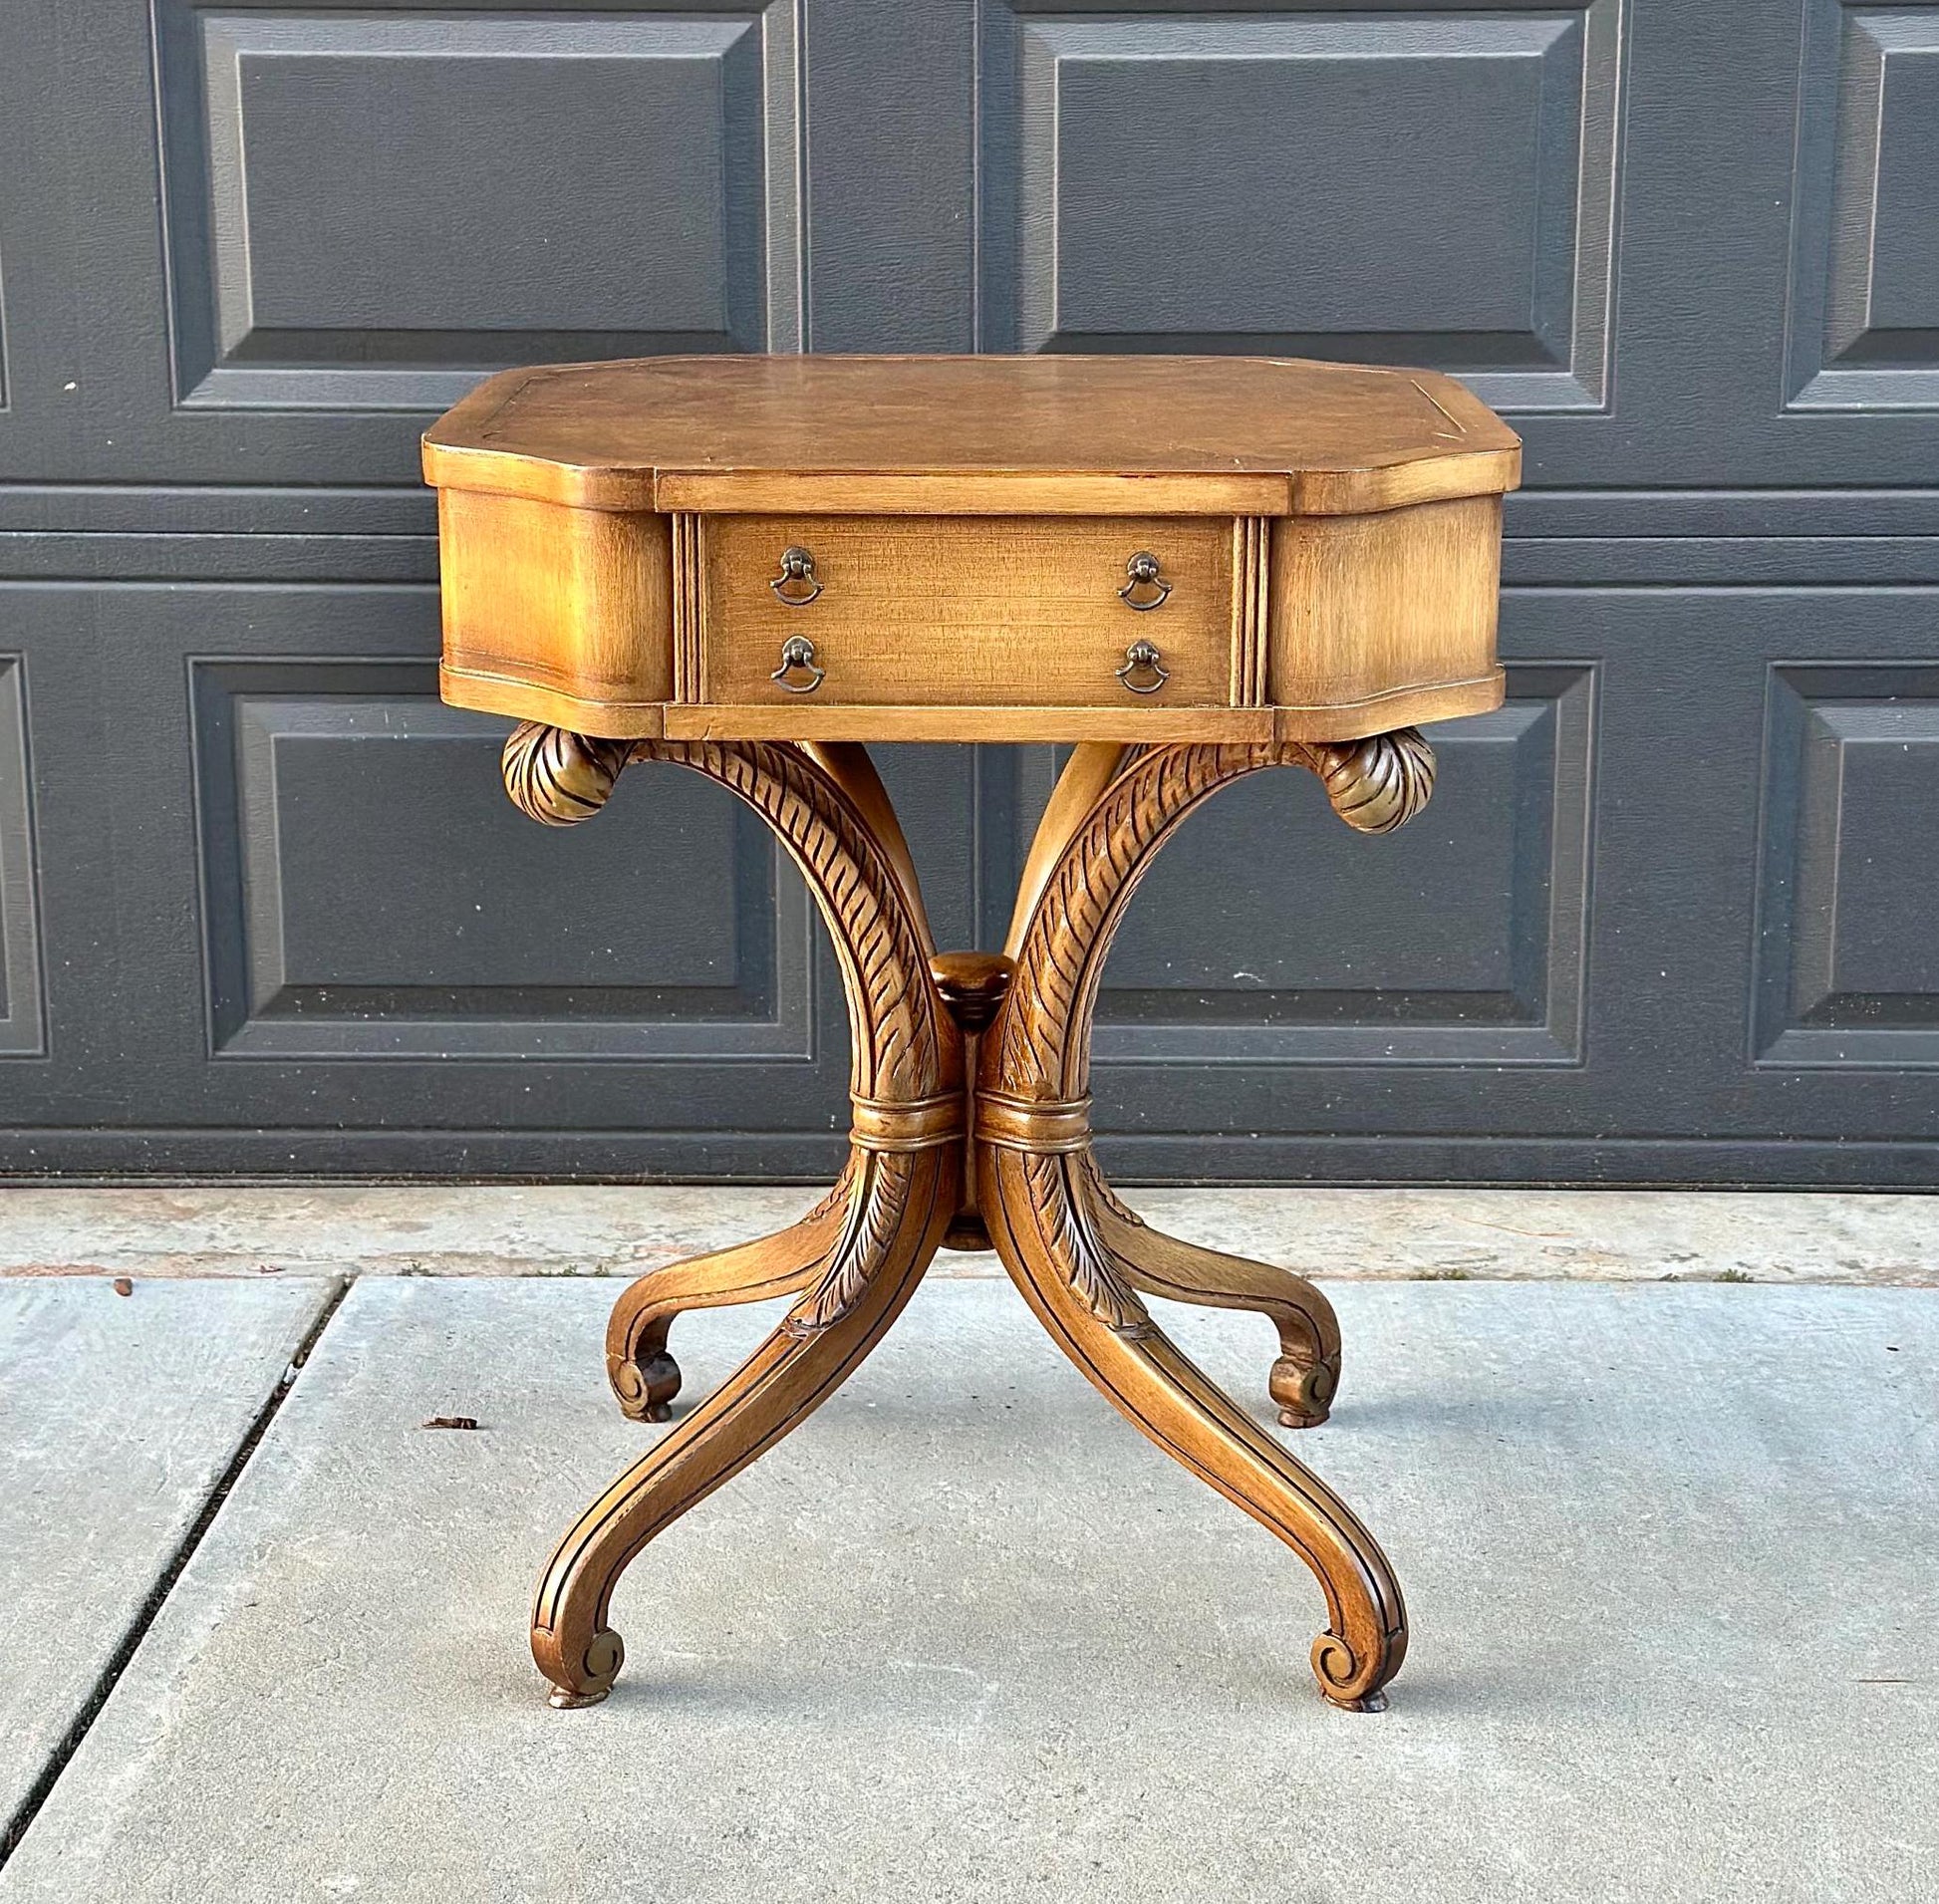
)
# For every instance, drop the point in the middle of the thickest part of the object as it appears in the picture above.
(1196, 569)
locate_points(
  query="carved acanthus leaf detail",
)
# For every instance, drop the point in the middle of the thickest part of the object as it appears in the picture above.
(893, 1015)
(879, 1197)
(1374, 785)
(1087, 1265)
(559, 778)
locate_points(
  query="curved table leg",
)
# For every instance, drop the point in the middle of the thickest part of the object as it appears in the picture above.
(644, 1374)
(1308, 1372)
(903, 1204)
(886, 1218)
(1043, 1237)
(1033, 1118)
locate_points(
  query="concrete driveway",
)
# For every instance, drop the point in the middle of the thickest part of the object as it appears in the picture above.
(1668, 1547)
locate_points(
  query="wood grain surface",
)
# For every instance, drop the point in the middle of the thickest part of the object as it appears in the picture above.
(979, 610)
(1225, 435)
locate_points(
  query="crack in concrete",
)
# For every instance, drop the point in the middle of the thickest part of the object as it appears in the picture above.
(58, 1761)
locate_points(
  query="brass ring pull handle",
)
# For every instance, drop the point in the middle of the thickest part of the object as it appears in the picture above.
(797, 566)
(1141, 658)
(799, 656)
(1143, 571)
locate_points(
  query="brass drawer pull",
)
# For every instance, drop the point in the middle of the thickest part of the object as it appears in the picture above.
(797, 566)
(1143, 571)
(1141, 658)
(797, 656)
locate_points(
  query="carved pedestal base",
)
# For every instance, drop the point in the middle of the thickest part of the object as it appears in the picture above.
(972, 1129)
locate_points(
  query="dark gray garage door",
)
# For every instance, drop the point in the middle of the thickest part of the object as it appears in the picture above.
(1671, 916)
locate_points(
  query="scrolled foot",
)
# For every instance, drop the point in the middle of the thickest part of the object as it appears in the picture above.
(591, 1678)
(645, 1389)
(1304, 1389)
(1306, 1375)
(1350, 1682)
(643, 1371)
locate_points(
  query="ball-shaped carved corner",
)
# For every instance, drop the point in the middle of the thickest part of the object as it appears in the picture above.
(1379, 783)
(558, 777)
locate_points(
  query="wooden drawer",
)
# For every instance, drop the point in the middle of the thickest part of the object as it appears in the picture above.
(966, 611)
